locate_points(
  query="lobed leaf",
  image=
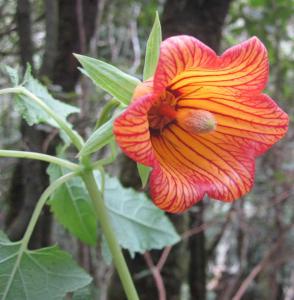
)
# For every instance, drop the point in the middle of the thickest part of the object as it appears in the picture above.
(47, 274)
(32, 113)
(12, 73)
(139, 225)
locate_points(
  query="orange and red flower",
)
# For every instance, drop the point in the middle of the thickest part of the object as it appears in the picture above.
(201, 121)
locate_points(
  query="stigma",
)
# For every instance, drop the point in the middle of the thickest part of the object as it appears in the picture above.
(196, 120)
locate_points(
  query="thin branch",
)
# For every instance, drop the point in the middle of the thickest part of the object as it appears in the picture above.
(163, 257)
(187, 234)
(156, 275)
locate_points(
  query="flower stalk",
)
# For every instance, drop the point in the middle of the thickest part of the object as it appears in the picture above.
(102, 214)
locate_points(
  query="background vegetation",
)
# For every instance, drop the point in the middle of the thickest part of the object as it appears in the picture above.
(228, 251)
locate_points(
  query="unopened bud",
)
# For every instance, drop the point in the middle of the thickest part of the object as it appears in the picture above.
(196, 120)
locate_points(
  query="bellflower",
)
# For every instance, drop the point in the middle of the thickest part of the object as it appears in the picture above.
(201, 121)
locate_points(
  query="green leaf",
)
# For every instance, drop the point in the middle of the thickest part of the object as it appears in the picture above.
(117, 83)
(87, 293)
(107, 112)
(32, 113)
(152, 49)
(144, 173)
(139, 225)
(47, 274)
(12, 73)
(99, 138)
(73, 208)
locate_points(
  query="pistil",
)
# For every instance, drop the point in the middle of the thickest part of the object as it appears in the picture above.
(196, 120)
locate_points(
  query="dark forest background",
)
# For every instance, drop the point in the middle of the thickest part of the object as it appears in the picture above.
(233, 251)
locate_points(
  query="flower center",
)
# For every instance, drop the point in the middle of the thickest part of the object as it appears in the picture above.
(164, 112)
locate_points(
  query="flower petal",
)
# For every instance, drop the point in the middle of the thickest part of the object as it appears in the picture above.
(131, 131)
(191, 165)
(179, 54)
(242, 69)
(255, 123)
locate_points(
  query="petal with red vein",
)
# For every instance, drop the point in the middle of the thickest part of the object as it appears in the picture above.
(131, 131)
(255, 123)
(172, 184)
(242, 69)
(178, 54)
(191, 165)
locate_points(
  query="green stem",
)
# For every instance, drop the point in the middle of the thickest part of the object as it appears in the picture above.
(73, 135)
(106, 226)
(108, 160)
(38, 156)
(13, 90)
(33, 221)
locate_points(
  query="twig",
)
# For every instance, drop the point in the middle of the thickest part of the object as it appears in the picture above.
(156, 275)
(278, 199)
(187, 234)
(163, 257)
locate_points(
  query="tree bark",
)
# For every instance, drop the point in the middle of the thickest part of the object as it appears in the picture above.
(202, 19)
(198, 260)
(24, 30)
(73, 38)
(51, 25)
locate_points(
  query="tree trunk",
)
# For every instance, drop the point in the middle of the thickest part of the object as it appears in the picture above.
(24, 30)
(202, 19)
(76, 27)
(51, 22)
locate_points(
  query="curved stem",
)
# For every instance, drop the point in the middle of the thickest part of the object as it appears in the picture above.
(13, 90)
(39, 156)
(33, 221)
(102, 214)
(73, 135)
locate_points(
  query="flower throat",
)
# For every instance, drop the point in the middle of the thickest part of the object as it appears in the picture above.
(164, 113)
